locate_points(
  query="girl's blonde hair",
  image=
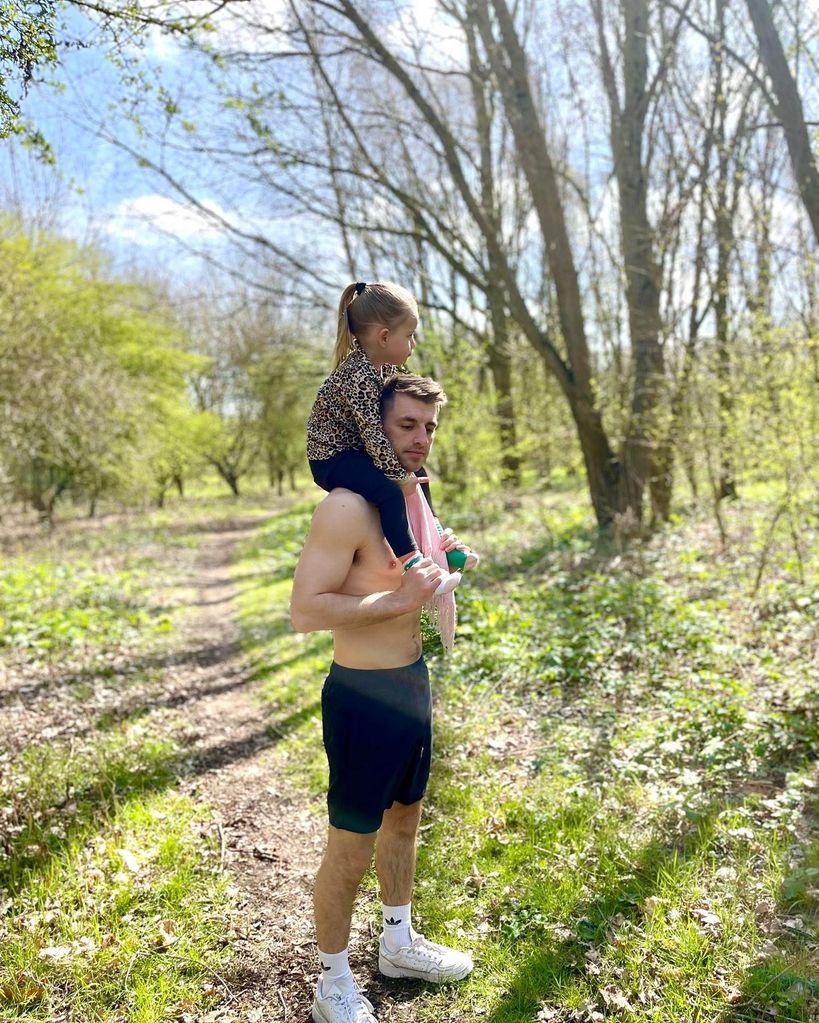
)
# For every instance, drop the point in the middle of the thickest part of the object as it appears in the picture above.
(364, 304)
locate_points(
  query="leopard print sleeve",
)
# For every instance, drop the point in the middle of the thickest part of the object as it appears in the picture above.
(360, 391)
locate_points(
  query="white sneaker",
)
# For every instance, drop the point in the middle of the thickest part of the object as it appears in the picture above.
(342, 1007)
(448, 583)
(424, 960)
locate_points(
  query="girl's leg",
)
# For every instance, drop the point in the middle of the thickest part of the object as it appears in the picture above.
(356, 471)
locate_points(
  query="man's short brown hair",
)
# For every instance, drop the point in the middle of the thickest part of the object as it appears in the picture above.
(421, 388)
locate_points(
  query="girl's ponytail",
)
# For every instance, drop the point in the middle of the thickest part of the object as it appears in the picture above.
(345, 341)
(364, 304)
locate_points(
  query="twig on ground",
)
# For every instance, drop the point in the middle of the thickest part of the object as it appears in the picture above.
(141, 953)
(221, 834)
(137, 955)
(204, 966)
(284, 1004)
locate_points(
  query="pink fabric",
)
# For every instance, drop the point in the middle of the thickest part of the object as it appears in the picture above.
(441, 610)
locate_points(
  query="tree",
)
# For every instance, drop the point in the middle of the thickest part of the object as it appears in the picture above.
(484, 179)
(34, 34)
(89, 367)
(787, 108)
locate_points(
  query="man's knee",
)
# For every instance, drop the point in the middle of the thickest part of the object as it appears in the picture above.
(348, 854)
(402, 820)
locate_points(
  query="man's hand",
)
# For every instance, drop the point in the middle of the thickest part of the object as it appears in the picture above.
(418, 584)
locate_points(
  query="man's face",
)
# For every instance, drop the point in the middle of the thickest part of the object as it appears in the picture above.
(410, 425)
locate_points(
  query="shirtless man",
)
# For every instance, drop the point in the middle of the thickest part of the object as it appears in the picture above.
(377, 717)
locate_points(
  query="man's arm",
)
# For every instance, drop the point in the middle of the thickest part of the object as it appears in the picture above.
(338, 530)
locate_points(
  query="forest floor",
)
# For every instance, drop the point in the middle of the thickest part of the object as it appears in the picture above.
(622, 817)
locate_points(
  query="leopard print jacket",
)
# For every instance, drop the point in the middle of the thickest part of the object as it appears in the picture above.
(346, 415)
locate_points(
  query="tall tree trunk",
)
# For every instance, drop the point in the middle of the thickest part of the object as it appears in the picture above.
(726, 486)
(641, 453)
(508, 62)
(574, 373)
(788, 108)
(500, 363)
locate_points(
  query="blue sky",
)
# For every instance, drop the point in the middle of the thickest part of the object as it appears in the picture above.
(104, 196)
(98, 192)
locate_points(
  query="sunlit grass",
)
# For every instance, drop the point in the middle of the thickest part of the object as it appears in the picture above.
(293, 665)
(113, 906)
(112, 903)
(621, 817)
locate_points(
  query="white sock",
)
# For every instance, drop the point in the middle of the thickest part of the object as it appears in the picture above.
(335, 973)
(398, 932)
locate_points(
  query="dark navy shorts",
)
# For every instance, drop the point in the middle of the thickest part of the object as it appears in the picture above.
(377, 728)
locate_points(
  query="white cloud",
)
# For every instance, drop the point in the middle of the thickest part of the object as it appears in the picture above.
(143, 218)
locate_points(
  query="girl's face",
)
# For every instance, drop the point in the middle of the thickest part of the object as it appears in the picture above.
(400, 341)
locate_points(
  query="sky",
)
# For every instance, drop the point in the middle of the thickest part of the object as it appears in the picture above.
(97, 192)
(101, 194)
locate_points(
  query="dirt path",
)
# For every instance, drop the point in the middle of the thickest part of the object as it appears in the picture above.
(200, 690)
(271, 841)
(272, 837)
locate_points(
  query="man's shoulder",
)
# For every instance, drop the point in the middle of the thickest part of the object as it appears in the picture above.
(342, 508)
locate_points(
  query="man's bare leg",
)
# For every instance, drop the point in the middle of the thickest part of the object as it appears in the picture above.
(345, 862)
(401, 951)
(395, 853)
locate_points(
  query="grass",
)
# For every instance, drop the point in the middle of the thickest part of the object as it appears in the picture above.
(113, 906)
(621, 821)
(113, 901)
(293, 665)
(50, 607)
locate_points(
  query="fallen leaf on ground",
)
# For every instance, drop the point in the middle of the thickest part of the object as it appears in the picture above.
(128, 858)
(167, 936)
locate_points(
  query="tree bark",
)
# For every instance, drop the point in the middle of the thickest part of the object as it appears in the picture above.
(726, 487)
(788, 108)
(500, 362)
(641, 451)
(508, 62)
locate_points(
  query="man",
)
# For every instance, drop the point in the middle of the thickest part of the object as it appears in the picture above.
(377, 720)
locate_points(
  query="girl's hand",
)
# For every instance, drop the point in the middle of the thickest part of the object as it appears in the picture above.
(450, 542)
(410, 484)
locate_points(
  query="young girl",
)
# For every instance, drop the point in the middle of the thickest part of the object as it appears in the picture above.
(346, 444)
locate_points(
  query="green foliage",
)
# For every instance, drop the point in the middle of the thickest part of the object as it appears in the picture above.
(94, 378)
(768, 436)
(259, 381)
(111, 894)
(52, 607)
(621, 815)
(293, 666)
(27, 44)
(113, 901)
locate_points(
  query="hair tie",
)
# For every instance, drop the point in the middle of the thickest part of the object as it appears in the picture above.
(360, 286)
